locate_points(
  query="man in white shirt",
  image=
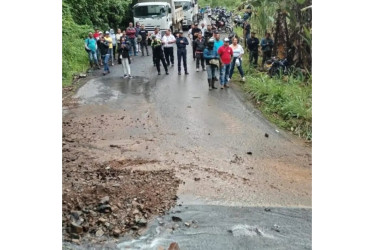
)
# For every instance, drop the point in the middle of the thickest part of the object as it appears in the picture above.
(168, 41)
(203, 29)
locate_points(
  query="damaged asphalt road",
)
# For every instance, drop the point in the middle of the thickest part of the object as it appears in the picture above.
(168, 136)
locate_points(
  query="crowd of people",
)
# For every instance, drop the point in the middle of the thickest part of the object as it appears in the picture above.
(217, 57)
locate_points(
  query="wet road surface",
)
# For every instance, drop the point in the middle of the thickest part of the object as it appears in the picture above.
(205, 136)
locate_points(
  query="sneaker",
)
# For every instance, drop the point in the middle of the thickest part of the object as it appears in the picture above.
(167, 73)
(243, 79)
(130, 76)
(186, 73)
(197, 70)
(221, 86)
(159, 73)
(228, 79)
(179, 73)
(125, 76)
(226, 86)
(204, 69)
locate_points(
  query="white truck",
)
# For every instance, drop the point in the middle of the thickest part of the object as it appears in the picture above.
(190, 10)
(163, 14)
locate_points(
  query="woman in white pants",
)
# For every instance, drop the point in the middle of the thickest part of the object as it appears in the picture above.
(125, 58)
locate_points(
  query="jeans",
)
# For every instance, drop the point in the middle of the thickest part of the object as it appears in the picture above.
(211, 69)
(126, 66)
(105, 58)
(225, 71)
(232, 67)
(92, 56)
(133, 44)
(169, 55)
(200, 57)
(111, 55)
(182, 54)
(114, 53)
(253, 56)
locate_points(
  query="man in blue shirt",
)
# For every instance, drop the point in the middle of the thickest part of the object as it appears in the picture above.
(217, 43)
(182, 42)
(91, 47)
(266, 47)
(210, 54)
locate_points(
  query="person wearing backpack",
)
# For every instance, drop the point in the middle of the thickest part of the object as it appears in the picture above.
(91, 47)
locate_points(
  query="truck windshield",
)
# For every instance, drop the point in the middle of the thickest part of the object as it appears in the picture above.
(184, 4)
(150, 10)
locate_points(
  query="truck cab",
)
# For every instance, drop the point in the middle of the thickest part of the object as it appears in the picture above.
(190, 10)
(161, 14)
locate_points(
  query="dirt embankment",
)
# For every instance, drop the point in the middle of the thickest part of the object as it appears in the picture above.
(111, 198)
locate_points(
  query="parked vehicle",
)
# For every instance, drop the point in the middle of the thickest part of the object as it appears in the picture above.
(190, 10)
(278, 67)
(164, 14)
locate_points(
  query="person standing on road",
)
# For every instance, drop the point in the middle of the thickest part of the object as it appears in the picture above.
(158, 54)
(203, 29)
(238, 53)
(168, 41)
(124, 53)
(110, 42)
(137, 29)
(114, 43)
(195, 32)
(252, 45)
(200, 46)
(189, 34)
(217, 44)
(158, 36)
(182, 42)
(118, 38)
(91, 47)
(209, 55)
(208, 33)
(104, 51)
(144, 43)
(225, 54)
(266, 47)
(130, 32)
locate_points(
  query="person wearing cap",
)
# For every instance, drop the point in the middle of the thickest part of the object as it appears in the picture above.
(225, 55)
(195, 32)
(238, 53)
(209, 55)
(266, 47)
(91, 47)
(104, 51)
(158, 54)
(200, 46)
(114, 45)
(168, 41)
(110, 42)
(246, 31)
(182, 42)
(130, 32)
(252, 45)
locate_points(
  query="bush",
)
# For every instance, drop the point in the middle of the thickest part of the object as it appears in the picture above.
(74, 56)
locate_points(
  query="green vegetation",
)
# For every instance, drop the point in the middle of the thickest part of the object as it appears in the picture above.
(74, 56)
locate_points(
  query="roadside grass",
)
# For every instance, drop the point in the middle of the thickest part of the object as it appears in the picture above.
(285, 101)
(74, 56)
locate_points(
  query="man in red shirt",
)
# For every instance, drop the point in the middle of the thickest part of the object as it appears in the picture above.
(225, 55)
(130, 32)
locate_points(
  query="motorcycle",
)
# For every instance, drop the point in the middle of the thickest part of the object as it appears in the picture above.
(278, 67)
